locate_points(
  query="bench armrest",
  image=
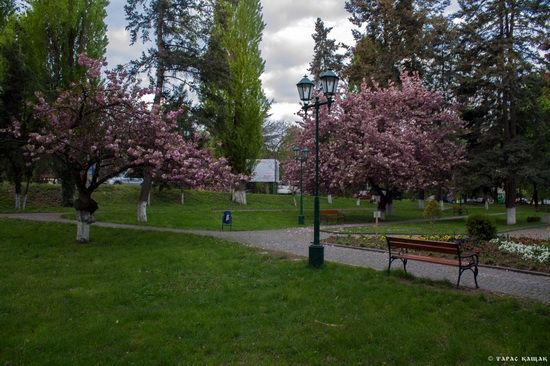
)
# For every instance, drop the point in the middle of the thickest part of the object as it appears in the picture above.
(474, 258)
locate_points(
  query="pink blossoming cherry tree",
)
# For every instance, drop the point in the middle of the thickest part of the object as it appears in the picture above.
(399, 137)
(100, 128)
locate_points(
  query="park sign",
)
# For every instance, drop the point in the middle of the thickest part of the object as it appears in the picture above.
(266, 171)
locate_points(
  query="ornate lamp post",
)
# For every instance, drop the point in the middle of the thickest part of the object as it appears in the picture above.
(301, 156)
(329, 81)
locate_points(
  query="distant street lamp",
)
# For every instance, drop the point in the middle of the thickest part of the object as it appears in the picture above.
(301, 156)
(329, 82)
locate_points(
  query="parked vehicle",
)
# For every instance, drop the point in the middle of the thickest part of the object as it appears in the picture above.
(125, 179)
(364, 195)
(287, 190)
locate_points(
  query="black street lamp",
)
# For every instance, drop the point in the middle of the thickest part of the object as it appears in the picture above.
(329, 82)
(301, 156)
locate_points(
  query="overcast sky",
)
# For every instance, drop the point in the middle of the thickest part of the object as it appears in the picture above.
(287, 46)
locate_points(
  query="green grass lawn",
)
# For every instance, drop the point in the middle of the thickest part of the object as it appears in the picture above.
(151, 298)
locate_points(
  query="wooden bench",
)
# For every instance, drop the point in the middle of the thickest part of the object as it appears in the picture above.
(459, 210)
(398, 249)
(331, 215)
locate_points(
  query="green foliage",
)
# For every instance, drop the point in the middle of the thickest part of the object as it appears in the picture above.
(481, 226)
(235, 103)
(56, 32)
(178, 31)
(395, 36)
(144, 297)
(432, 211)
(324, 52)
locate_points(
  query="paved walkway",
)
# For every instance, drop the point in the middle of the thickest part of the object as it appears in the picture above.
(296, 241)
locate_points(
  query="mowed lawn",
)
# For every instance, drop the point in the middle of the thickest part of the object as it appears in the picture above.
(150, 298)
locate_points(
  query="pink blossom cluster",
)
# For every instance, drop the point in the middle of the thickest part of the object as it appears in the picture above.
(401, 136)
(106, 124)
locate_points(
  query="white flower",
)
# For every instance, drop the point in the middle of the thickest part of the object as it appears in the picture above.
(528, 252)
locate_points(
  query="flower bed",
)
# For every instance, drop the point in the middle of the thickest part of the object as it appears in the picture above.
(522, 253)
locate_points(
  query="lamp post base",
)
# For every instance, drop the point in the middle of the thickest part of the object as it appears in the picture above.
(301, 219)
(316, 255)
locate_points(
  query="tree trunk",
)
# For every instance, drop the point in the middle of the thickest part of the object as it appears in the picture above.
(17, 194)
(239, 193)
(84, 219)
(510, 191)
(144, 195)
(17, 201)
(536, 197)
(85, 207)
(26, 194)
(389, 208)
(142, 211)
(329, 199)
(386, 203)
(439, 198)
(68, 188)
(421, 196)
(389, 202)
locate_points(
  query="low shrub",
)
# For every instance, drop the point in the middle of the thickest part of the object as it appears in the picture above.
(432, 211)
(533, 219)
(481, 226)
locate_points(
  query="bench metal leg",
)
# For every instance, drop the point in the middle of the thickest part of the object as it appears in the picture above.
(474, 271)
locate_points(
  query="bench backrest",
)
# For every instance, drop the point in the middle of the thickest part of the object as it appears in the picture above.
(423, 245)
(329, 212)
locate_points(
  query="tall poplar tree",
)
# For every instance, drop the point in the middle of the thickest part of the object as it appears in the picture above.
(499, 50)
(233, 100)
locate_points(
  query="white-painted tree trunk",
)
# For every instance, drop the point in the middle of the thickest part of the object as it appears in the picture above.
(21, 201)
(421, 204)
(329, 199)
(82, 232)
(142, 212)
(182, 197)
(511, 216)
(239, 193)
(239, 196)
(84, 219)
(358, 202)
(441, 205)
(389, 209)
(486, 204)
